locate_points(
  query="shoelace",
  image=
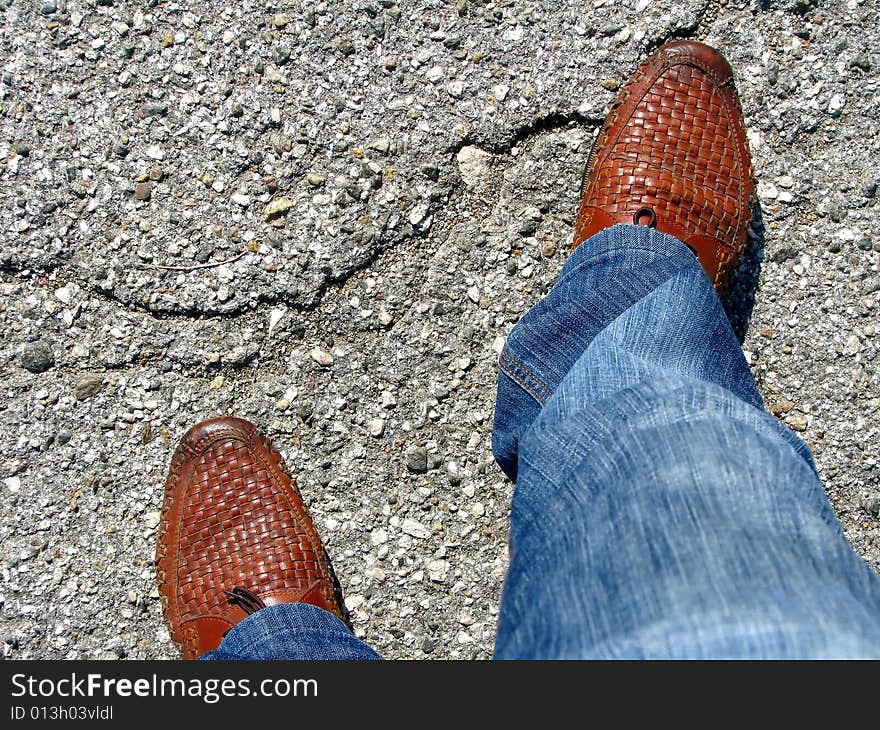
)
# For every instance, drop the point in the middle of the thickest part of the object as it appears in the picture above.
(248, 601)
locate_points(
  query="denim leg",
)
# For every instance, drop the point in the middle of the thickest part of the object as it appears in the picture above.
(659, 511)
(291, 631)
(619, 267)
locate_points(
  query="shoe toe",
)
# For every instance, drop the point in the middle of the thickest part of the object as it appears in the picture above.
(701, 55)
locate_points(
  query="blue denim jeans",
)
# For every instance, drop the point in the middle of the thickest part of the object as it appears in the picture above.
(659, 511)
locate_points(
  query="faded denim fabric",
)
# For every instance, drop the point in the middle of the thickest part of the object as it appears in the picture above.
(659, 511)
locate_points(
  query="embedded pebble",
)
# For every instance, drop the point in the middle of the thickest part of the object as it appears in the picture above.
(415, 529)
(417, 460)
(322, 357)
(88, 386)
(37, 357)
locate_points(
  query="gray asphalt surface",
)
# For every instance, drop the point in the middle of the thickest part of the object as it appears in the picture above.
(325, 218)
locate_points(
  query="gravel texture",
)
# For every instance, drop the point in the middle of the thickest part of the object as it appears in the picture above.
(325, 217)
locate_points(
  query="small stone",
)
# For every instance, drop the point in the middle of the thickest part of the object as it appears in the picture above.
(37, 357)
(13, 484)
(797, 422)
(275, 316)
(280, 20)
(473, 293)
(63, 294)
(611, 83)
(453, 471)
(154, 110)
(767, 191)
(378, 536)
(155, 153)
(419, 218)
(853, 345)
(88, 386)
(500, 92)
(417, 459)
(435, 74)
(782, 407)
(376, 427)
(862, 61)
(151, 519)
(548, 249)
(836, 104)
(415, 529)
(241, 199)
(473, 165)
(322, 357)
(382, 145)
(527, 228)
(216, 383)
(438, 570)
(871, 504)
(143, 191)
(276, 208)
(344, 45)
(315, 180)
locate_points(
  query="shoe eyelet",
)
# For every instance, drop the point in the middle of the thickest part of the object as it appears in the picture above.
(641, 213)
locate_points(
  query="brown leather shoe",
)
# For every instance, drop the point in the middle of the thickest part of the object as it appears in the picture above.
(673, 154)
(234, 536)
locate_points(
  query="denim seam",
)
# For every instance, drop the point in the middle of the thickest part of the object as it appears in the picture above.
(513, 376)
(516, 363)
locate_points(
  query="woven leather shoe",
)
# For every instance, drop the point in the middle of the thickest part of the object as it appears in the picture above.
(234, 537)
(673, 154)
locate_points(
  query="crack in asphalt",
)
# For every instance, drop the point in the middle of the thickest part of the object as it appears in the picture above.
(533, 127)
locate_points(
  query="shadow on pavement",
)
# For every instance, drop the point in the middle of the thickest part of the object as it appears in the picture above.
(741, 300)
